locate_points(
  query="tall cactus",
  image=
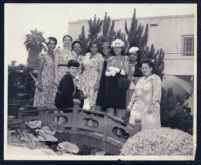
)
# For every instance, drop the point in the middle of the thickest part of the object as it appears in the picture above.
(83, 39)
(108, 32)
(94, 28)
(138, 36)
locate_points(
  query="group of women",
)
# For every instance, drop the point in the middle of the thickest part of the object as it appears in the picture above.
(97, 75)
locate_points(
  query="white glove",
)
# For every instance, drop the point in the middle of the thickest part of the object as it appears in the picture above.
(122, 72)
(113, 69)
(108, 74)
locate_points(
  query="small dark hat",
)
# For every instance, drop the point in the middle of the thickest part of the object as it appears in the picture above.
(73, 63)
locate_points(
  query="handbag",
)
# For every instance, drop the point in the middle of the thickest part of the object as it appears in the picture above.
(123, 81)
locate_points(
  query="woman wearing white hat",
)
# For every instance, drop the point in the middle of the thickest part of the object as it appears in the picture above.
(134, 70)
(117, 65)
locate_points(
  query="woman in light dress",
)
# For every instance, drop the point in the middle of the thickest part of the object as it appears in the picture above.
(46, 89)
(77, 50)
(145, 102)
(62, 56)
(90, 78)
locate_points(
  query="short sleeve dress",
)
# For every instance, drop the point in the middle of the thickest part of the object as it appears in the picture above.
(62, 59)
(47, 95)
(90, 75)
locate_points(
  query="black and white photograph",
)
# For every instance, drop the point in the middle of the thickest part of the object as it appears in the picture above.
(102, 81)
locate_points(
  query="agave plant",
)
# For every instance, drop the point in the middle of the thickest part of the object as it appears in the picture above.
(34, 46)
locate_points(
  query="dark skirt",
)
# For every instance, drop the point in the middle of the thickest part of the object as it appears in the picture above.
(114, 96)
(102, 89)
(109, 94)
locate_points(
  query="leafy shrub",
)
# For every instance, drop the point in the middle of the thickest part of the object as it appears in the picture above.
(20, 86)
(163, 141)
(174, 113)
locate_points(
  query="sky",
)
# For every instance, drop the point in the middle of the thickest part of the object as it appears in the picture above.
(53, 19)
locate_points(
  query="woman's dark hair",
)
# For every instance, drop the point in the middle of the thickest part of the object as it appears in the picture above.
(122, 51)
(138, 72)
(73, 63)
(76, 42)
(92, 42)
(52, 39)
(138, 56)
(90, 45)
(150, 63)
(68, 36)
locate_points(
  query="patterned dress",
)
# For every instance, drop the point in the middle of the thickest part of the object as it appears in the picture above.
(90, 75)
(147, 96)
(46, 97)
(62, 58)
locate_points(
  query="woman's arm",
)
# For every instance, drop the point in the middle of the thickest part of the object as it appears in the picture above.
(40, 70)
(100, 70)
(56, 62)
(156, 83)
(126, 65)
(134, 96)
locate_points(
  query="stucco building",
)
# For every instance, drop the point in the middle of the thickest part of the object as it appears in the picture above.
(174, 34)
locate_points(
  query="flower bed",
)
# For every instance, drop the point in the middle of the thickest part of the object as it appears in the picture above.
(164, 141)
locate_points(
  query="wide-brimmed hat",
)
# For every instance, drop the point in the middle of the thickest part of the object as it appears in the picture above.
(73, 63)
(117, 43)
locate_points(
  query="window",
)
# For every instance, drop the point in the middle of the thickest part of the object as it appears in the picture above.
(188, 45)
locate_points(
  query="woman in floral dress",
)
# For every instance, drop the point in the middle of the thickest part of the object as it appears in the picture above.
(45, 90)
(62, 57)
(90, 79)
(145, 102)
(77, 50)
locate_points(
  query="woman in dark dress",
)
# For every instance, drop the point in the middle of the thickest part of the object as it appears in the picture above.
(134, 70)
(116, 97)
(67, 90)
(102, 93)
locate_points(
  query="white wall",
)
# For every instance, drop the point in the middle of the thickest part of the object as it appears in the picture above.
(167, 35)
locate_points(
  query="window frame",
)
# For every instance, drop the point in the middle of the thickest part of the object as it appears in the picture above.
(184, 52)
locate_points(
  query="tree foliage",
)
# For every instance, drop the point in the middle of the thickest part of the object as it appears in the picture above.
(20, 85)
(174, 113)
(33, 44)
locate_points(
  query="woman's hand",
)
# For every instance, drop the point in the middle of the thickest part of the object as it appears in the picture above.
(129, 108)
(96, 86)
(39, 86)
(57, 50)
(56, 82)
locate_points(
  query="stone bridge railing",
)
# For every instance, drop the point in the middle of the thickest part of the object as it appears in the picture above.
(92, 128)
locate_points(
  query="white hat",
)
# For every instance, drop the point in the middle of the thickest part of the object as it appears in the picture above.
(133, 49)
(117, 43)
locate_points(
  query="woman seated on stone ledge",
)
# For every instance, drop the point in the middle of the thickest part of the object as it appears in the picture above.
(67, 89)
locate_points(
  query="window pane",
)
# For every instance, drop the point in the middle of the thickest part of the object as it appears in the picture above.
(188, 45)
